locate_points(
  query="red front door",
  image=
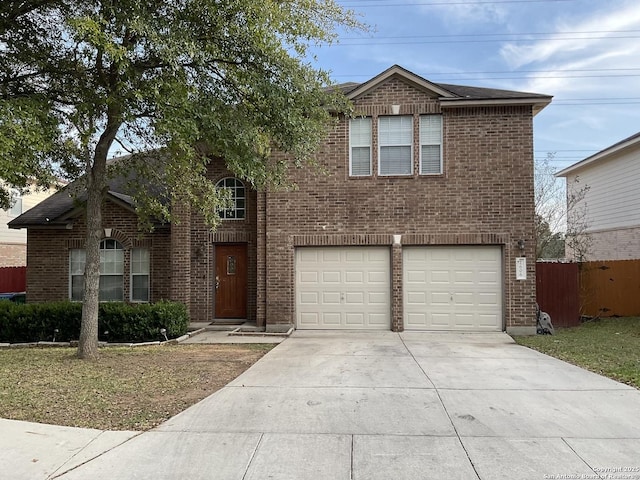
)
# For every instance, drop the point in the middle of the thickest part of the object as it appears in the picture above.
(231, 281)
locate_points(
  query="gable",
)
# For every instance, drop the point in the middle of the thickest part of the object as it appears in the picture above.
(397, 91)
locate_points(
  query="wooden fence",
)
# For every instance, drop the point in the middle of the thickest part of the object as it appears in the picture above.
(557, 292)
(610, 288)
(13, 279)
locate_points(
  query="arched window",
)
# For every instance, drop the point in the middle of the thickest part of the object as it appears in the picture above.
(238, 196)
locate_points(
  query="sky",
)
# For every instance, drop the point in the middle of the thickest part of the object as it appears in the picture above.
(585, 53)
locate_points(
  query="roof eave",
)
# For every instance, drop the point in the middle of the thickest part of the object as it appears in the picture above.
(538, 103)
(607, 152)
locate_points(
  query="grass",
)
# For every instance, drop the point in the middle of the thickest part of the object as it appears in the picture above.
(608, 346)
(125, 389)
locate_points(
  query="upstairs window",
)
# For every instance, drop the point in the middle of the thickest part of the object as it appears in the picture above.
(238, 198)
(430, 144)
(360, 147)
(396, 145)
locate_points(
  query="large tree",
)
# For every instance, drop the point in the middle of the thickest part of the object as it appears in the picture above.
(188, 79)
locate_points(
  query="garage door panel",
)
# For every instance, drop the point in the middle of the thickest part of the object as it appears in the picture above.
(354, 277)
(354, 284)
(309, 298)
(331, 277)
(462, 288)
(329, 298)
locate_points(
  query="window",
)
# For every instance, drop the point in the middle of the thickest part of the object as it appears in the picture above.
(430, 144)
(16, 204)
(77, 259)
(111, 272)
(395, 138)
(139, 275)
(236, 187)
(360, 147)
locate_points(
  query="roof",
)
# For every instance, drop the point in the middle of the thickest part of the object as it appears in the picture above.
(450, 95)
(59, 208)
(633, 140)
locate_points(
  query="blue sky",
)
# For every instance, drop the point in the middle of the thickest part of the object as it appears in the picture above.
(586, 53)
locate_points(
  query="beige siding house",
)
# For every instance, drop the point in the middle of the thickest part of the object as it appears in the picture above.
(13, 243)
(609, 209)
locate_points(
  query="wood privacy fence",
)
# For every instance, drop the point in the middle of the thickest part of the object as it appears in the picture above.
(610, 288)
(557, 292)
(600, 288)
(13, 279)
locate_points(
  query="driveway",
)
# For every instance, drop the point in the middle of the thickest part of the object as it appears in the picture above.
(365, 406)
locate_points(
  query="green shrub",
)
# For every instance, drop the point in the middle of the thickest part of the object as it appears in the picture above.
(117, 322)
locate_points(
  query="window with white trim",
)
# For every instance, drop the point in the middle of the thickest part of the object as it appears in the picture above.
(395, 139)
(430, 144)
(139, 275)
(15, 203)
(77, 260)
(238, 197)
(111, 272)
(360, 146)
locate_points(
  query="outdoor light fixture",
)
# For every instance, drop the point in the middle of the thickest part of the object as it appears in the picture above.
(521, 244)
(163, 332)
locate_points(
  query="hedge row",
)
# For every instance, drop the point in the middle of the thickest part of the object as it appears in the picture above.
(117, 322)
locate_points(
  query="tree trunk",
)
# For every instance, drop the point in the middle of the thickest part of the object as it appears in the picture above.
(88, 343)
(96, 178)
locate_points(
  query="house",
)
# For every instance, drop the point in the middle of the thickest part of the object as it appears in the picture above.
(13, 243)
(422, 220)
(606, 210)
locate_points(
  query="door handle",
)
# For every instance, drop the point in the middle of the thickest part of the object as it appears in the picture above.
(217, 282)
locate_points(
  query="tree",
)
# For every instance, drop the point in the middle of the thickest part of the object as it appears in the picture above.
(557, 233)
(190, 79)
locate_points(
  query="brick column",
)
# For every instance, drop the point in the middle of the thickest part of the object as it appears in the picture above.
(181, 254)
(397, 324)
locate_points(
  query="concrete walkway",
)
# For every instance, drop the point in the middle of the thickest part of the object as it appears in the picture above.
(368, 406)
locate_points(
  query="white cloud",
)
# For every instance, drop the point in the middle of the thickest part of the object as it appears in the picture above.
(463, 14)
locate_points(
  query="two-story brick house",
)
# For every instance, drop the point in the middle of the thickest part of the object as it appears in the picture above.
(422, 208)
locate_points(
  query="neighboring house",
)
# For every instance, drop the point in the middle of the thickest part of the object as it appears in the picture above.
(607, 212)
(13, 243)
(416, 224)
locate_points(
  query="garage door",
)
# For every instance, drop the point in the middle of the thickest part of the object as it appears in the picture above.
(343, 288)
(452, 288)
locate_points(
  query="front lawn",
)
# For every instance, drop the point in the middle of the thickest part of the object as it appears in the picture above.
(609, 346)
(125, 389)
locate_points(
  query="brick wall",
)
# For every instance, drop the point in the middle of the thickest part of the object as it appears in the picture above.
(484, 196)
(203, 242)
(48, 255)
(615, 244)
(13, 255)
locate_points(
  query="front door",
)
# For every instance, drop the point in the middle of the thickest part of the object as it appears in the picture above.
(231, 281)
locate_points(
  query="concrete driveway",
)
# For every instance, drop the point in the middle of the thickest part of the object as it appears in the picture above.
(365, 406)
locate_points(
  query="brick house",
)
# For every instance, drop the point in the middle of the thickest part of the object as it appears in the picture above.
(422, 211)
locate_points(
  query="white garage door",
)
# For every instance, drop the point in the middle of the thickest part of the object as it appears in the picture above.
(343, 288)
(452, 288)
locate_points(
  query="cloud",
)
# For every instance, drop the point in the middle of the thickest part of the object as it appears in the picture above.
(464, 14)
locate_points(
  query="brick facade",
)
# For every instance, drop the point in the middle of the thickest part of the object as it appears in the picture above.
(613, 244)
(13, 255)
(484, 196)
(48, 255)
